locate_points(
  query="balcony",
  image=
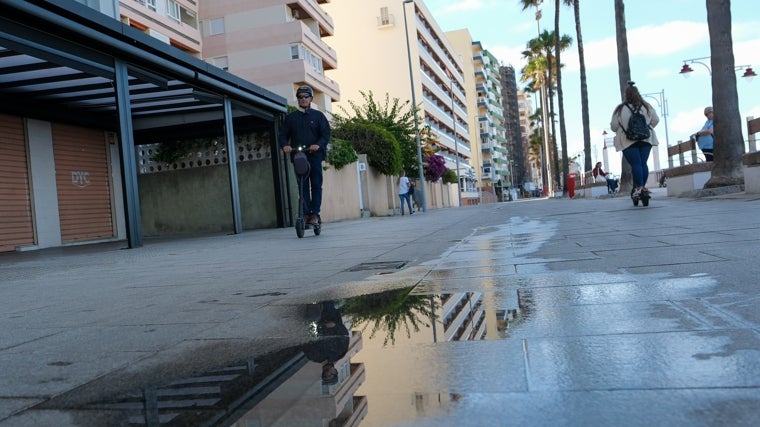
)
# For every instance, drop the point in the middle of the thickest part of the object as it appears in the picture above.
(303, 9)
(302, 32)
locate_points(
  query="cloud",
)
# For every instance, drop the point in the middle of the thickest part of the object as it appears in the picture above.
(509, 55)
(463, 5)
(647, 41)
(744, 30)
(686, 122)
(746, 51)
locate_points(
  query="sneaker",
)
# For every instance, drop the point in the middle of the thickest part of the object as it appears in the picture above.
(636, 192)
(311, 219)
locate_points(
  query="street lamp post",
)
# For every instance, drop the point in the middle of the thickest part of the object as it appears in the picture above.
(749, 73)
(663, 103)
(414, 110)
(454, 128)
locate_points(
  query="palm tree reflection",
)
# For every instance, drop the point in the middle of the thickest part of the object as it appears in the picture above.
(391, 311)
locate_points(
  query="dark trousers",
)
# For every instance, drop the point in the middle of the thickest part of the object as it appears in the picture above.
(708, 152)
(312, 187)
(637, 156)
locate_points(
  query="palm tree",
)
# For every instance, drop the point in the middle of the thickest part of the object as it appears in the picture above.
(535, 4)
(560, 100)
(535, 140)
(534, 72)
(584, 86)
(545, 172)
(544, 45)
(624, 76)
(727, 163)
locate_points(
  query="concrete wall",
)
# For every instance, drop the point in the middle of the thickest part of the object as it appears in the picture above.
(340, 194)
(198, 200)
(751, 170)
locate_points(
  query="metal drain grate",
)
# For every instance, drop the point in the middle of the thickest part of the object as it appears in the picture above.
(382, 265)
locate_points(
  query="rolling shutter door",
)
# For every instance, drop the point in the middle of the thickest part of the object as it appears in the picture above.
(83, 181)
(16, 227)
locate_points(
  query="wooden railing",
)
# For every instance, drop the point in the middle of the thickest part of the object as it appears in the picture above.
(680, 150)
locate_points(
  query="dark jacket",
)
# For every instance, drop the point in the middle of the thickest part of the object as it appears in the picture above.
(306, 128)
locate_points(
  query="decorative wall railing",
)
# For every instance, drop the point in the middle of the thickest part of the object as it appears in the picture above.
(202, 152)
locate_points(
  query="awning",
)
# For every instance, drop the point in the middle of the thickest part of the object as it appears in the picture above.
(61, 61)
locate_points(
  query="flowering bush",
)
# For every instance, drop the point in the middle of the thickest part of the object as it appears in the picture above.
(436, 167)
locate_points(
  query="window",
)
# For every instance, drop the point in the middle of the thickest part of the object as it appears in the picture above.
(216, 26)
(299, 51)
(188, 17)
(151, 4)
(221, 62)
(172, 9)
(385, 18)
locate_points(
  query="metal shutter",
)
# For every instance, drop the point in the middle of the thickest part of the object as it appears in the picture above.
(83, 181)
(16, 227)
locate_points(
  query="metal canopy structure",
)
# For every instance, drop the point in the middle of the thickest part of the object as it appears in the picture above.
(61, 61)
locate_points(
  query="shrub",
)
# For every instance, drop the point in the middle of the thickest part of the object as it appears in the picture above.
(449, 177)
(341, 153)
(380, 146)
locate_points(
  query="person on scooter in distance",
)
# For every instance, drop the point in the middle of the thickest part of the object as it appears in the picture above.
(309, 128)
(635, 152)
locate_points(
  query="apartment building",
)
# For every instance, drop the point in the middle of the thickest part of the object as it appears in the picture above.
(491, 121)
(276, 44)
(461, 40)
(174, 22)
(372, 43)
(512, 114)
(532, 178)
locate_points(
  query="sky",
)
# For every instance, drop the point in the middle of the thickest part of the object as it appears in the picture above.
(661, 35)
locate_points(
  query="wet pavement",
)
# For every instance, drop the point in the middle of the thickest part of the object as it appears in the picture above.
(533, 312)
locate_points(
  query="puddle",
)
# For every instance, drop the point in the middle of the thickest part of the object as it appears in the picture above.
(323, 380)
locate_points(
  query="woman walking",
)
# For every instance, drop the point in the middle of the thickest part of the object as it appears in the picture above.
(635, 138)
(403, 192)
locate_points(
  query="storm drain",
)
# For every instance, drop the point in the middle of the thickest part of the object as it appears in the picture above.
(382, 265)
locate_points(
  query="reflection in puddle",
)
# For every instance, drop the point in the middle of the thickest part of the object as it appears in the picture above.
(297, 385)
(317, 382)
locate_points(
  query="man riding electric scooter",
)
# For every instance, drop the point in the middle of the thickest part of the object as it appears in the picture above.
(308, 128)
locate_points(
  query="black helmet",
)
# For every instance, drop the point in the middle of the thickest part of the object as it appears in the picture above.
(305, 89)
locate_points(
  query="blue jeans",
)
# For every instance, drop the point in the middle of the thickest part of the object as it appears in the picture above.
(612, 184)
(405, 196)
(637, 156)
(312, 187)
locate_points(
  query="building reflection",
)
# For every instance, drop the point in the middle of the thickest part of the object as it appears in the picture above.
(322, 380)
(285, 387)
(323, 392)
(408, 334)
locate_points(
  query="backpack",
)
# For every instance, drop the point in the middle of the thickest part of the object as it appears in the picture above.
(638, 129)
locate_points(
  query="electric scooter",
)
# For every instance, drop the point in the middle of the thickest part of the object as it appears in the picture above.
(302, 169)
(644, 197)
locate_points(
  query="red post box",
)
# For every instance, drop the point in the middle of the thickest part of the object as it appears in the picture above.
(571, 183)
